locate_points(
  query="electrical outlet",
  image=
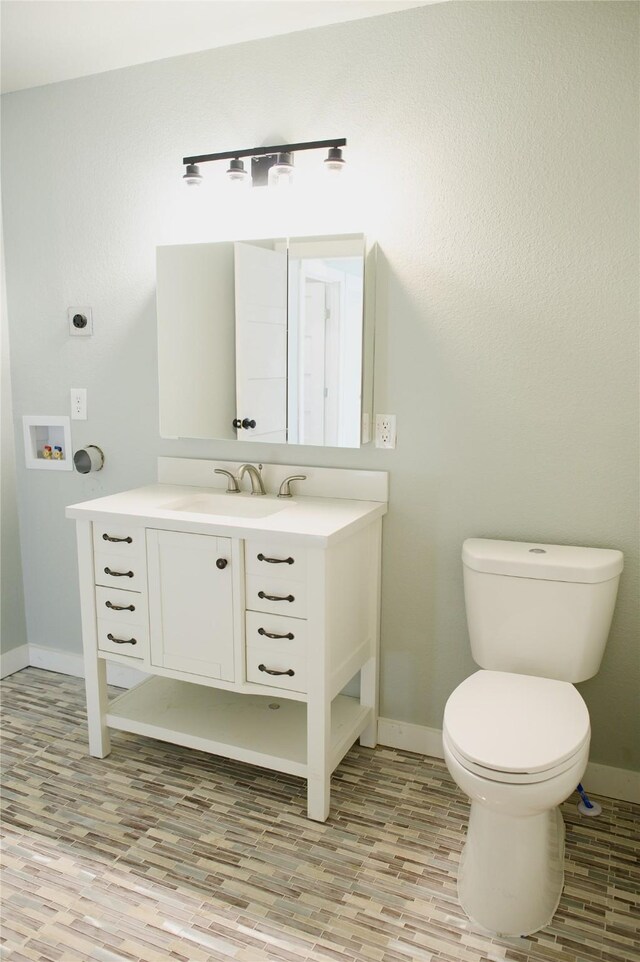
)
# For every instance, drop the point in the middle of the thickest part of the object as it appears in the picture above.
(385, 430)
(78, 404)
(80, 321)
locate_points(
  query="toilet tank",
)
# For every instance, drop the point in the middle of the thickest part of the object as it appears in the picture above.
(539, 609)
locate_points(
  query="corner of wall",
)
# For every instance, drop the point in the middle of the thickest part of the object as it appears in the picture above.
(13, 629)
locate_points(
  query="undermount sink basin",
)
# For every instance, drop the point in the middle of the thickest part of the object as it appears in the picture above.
(227, 505)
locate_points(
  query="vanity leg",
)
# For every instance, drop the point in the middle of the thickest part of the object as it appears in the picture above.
(369, 698)
(319, 770)
(95, 669)
(318, 798)
(97, 701)
(370, 671)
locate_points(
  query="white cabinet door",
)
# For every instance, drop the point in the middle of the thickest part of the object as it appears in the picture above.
(191, 603)
(261, 341)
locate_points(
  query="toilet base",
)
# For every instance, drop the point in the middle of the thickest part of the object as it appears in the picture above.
(512, 870)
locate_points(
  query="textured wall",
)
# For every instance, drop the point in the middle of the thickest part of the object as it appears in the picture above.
(498, 145)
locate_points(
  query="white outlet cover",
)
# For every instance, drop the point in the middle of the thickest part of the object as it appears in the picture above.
(385, 431)
(78, 404)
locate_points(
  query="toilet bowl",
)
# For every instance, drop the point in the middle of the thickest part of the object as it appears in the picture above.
(516, 734)
(517, 746)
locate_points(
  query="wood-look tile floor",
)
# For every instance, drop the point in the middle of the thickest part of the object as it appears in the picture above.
(160, 853)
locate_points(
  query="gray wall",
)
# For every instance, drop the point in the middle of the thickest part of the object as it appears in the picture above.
(13, 629)
(498, 145)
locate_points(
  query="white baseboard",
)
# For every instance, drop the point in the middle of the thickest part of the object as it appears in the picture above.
(410, 738)
(52, 659)
(14, 660)
(605, 780)
(621, 783)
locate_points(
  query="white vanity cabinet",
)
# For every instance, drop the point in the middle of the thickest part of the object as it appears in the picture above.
(249, 628)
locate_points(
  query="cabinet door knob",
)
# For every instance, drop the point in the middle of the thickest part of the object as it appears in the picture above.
(272, 671)
(275, 561)
(248, 423)
(237, 423)
(122, 641)
(221, 563)
(261, 594)
(118, 574)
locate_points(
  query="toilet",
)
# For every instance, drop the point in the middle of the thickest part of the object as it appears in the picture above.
(516, 733)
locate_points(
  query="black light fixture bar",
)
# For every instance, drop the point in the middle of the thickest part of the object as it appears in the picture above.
(265, 151)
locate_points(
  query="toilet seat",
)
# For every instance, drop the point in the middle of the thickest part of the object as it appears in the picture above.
(515, 728)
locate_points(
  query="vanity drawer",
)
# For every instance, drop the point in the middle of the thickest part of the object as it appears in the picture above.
(115, 571)
(291, 633)
(276, 595)
(128, 607)
(121, 638)
(281, 561)
(277, 665)
(117, 540)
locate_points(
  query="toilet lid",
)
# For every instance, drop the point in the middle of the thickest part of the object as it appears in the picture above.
(516, 723)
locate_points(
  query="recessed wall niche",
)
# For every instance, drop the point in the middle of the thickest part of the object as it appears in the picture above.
(47, 442)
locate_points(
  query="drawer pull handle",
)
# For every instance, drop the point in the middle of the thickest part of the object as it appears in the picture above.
(270, 634)
(275, 561)
(121, 641)
(261, 594)
(119, 607)
(118, 574)
(272, 671)
(108, 537)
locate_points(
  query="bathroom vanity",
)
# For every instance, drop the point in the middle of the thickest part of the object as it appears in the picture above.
(250, 614)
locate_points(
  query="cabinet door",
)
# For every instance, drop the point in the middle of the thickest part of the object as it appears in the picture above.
(191, 603)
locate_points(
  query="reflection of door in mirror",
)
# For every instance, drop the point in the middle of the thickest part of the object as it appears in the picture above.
(261, 340)
(325, 345)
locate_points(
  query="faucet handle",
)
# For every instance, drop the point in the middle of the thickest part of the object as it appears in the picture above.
(285, 487)
(232, 482)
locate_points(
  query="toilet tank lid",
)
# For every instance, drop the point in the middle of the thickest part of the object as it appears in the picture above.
(546, 562)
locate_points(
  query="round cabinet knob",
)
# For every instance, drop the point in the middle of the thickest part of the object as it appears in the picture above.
(237, 423)
(248, 423)
(221, 563)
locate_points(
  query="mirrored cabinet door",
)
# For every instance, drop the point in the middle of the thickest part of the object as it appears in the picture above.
(266, 340)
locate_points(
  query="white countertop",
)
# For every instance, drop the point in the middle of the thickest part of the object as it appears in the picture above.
(321, 521)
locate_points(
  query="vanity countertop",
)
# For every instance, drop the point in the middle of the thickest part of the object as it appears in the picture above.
(319, 521)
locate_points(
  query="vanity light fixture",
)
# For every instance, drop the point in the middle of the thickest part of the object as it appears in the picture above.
(269, 165)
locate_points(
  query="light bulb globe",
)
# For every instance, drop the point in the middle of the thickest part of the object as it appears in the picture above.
(236, 173)
(281, 173)
(192, 177)
(334, 162)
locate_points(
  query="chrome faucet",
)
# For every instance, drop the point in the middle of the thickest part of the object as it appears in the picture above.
(257, 484)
